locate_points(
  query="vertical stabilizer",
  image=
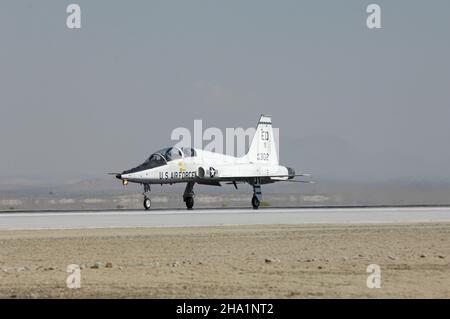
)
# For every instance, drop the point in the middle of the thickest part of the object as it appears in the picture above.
(262, 148)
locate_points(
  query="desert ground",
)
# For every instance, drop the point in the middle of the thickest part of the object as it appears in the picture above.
(307, 261)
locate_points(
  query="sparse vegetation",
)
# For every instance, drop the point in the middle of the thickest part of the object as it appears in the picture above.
(264, 203)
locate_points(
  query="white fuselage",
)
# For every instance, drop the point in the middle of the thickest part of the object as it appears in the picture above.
(206, 166)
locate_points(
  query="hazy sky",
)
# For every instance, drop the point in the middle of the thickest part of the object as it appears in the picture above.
(351, 103)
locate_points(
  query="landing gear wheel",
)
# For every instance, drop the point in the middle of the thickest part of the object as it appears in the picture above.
(147, 203)
(255, 202)
(189, 202)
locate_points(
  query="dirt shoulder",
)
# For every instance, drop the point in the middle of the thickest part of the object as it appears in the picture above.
(230, 262)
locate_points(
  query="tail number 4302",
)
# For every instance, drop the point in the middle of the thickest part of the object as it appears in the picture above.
(263, 156)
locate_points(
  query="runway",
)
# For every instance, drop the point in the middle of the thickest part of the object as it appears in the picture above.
(220, 217)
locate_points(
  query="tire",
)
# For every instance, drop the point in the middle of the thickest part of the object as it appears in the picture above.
(255, 202)
(147, 203)
(189, 202)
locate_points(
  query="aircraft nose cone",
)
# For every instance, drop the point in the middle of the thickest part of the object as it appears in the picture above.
(119, 176)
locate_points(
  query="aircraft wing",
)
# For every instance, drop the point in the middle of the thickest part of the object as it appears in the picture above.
(280, 176)
(208, 182)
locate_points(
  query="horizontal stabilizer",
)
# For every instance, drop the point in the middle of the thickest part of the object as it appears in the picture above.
(284, 177)
(294, 181)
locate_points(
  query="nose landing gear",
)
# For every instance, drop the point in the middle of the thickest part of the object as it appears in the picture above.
(147, 203)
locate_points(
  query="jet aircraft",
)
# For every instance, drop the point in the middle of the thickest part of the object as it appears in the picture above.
(191, 165)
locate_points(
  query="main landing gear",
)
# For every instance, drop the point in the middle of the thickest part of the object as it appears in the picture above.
(147, 201)
(257, 194)
(188, 195)
(255, 202)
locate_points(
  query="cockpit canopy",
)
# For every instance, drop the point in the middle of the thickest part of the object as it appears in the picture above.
(168, 154)
(188, 152)
(171, 153)
(163, 156)
(156, 159)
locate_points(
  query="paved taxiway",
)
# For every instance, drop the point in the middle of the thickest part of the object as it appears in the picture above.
(217, 217)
